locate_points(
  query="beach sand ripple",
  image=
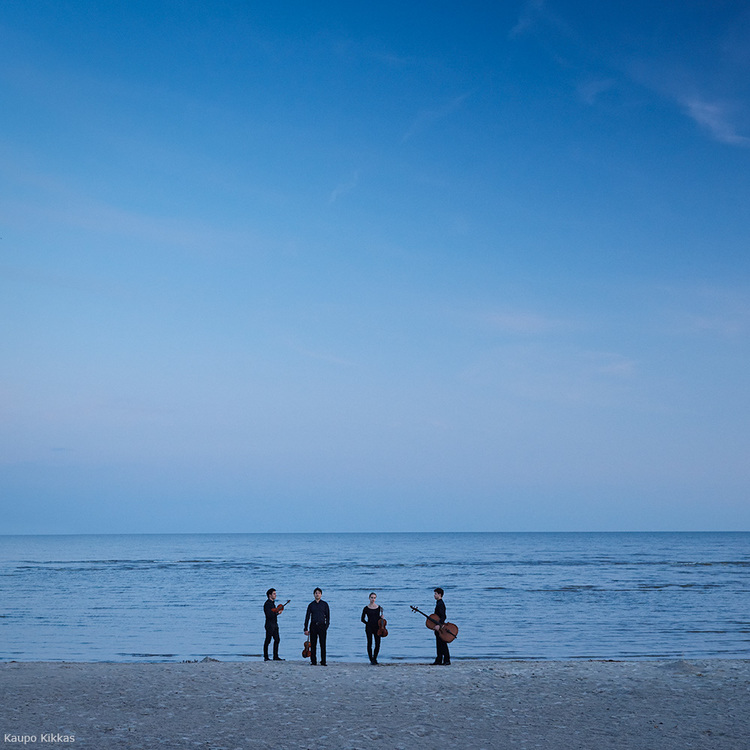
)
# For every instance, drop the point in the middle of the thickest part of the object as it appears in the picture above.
(577, 705)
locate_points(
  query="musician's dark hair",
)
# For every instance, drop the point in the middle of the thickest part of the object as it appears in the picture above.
(440, 591)
(270, 591)
(317, 588)
(372, 593)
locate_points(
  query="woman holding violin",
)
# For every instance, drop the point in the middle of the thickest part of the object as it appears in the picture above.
(372, 617)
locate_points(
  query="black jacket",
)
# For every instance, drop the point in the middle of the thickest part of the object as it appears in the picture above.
(318, 614)
(271, 620)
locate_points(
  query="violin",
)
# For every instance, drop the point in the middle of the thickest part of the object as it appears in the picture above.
(279, 608)
(382, 631)
(447, 631)
(307, 650)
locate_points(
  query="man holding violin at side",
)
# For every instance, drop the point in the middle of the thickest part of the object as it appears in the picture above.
(318, 616)
(272, 611)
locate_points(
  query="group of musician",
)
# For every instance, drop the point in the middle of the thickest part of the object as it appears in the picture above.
(318, 618)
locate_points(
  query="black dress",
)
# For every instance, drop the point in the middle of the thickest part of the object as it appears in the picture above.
(370, 618)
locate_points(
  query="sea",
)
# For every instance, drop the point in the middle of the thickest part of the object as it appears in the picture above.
(134, 598)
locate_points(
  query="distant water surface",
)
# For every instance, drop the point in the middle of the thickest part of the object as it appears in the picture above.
(519, 596)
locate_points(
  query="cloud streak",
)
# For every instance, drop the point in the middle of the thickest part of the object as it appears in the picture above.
(703, 80)
(344, 187)
(524, 324)
(427, 118)
(716, 118)
(532, 12)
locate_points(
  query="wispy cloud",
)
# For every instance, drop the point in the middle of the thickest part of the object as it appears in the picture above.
(427, 118)
(93, 216)
(706, 82)
(606, 363)
(725, 327)
(716, 118)
(590, 90)
(55, 201)
(536, 16)
(523, 323)
(51, 279)
(726, 320)
(720, 312)
(326, 357)
(555, 373)
(344, 187)
(531, 12)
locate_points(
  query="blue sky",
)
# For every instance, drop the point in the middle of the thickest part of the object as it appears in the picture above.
(336, 267)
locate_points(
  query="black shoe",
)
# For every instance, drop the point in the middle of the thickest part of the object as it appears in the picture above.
(265, 658)
(375, 662)
(313, 664)
(446, 663)
(276, 658)
(437, 662)
(323, 664)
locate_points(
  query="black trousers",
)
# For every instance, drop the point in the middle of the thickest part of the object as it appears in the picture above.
(443, 654)
(272, 631)
(370, 635)
(318, 631)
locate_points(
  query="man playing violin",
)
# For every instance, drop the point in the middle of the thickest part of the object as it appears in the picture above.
(443, 654)
(272, 626)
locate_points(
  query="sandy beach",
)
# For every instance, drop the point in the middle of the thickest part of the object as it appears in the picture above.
(222, 706)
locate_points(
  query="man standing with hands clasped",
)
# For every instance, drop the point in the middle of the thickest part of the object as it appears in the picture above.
(318, 617)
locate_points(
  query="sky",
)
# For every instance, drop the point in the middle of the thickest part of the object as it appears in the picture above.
(374, 267)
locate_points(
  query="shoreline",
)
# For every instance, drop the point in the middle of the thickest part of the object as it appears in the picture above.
(395, 662)
(583, 704)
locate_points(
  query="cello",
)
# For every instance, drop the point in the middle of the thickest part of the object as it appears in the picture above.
(447, 631)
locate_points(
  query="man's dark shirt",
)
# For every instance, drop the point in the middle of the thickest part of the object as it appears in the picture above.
(270, 616)
(318, 614)
(440, 610)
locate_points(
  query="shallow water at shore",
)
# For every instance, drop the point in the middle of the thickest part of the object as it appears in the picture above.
(529, 596)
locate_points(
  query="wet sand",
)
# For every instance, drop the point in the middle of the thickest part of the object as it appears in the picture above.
(578, 705)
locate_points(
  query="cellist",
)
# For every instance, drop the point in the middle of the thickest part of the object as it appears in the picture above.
(443, 654)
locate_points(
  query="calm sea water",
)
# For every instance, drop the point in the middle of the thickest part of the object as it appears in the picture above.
(529, 596)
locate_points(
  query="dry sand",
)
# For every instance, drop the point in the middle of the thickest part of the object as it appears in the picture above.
(500, 704)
